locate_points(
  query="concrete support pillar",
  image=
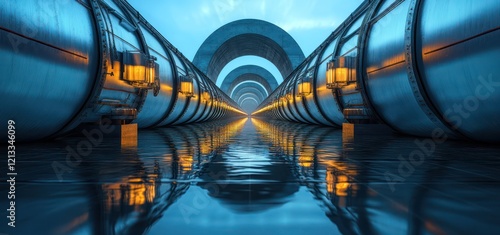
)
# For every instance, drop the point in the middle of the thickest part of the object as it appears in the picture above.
(127, 133)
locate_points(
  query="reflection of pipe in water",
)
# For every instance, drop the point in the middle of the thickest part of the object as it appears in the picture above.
(80, 203)
(319, 166)
(128, 204)
(306, 142)
(142, 194)
(429, 198)
(395, 196)
(191, 146)
(112, 190)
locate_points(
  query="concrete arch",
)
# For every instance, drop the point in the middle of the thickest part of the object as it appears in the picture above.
(254, 93)
(248, 37)
(249, 78)
(249, 87)
(249, 104)
(248, 91)
(249, 83)
(249, 72)
(249, 99)
(248, 95)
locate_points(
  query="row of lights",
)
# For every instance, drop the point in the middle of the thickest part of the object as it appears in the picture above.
(340, 71)
(187, 89)
(141, 71)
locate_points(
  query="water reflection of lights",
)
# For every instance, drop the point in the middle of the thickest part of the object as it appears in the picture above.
(312, 158)
(144, 195)
(339, 177)
(195, 145)
(133, 191)
(248, 176)
(306, 157)
(186, 161)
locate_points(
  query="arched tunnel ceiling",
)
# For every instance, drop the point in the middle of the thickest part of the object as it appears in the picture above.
(249, 102)
(246, 79)
(248, 37)
(251, 88)
(249, 98)
(249, 95)
(249, 72)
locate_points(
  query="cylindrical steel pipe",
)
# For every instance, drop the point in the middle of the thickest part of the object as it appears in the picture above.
(67, 62)
(406, 63)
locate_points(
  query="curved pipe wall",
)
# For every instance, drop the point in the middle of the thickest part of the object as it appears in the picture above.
(420, 69)
(71, 62)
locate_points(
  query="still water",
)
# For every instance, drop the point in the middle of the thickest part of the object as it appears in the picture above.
(253, 176)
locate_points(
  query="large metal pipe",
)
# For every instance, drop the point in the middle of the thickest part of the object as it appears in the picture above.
(67, 62)
(425, 68)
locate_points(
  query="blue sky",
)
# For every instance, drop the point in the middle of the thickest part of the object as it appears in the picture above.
(187, 23)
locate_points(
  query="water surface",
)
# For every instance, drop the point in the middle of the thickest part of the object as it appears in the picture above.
(251, 176)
